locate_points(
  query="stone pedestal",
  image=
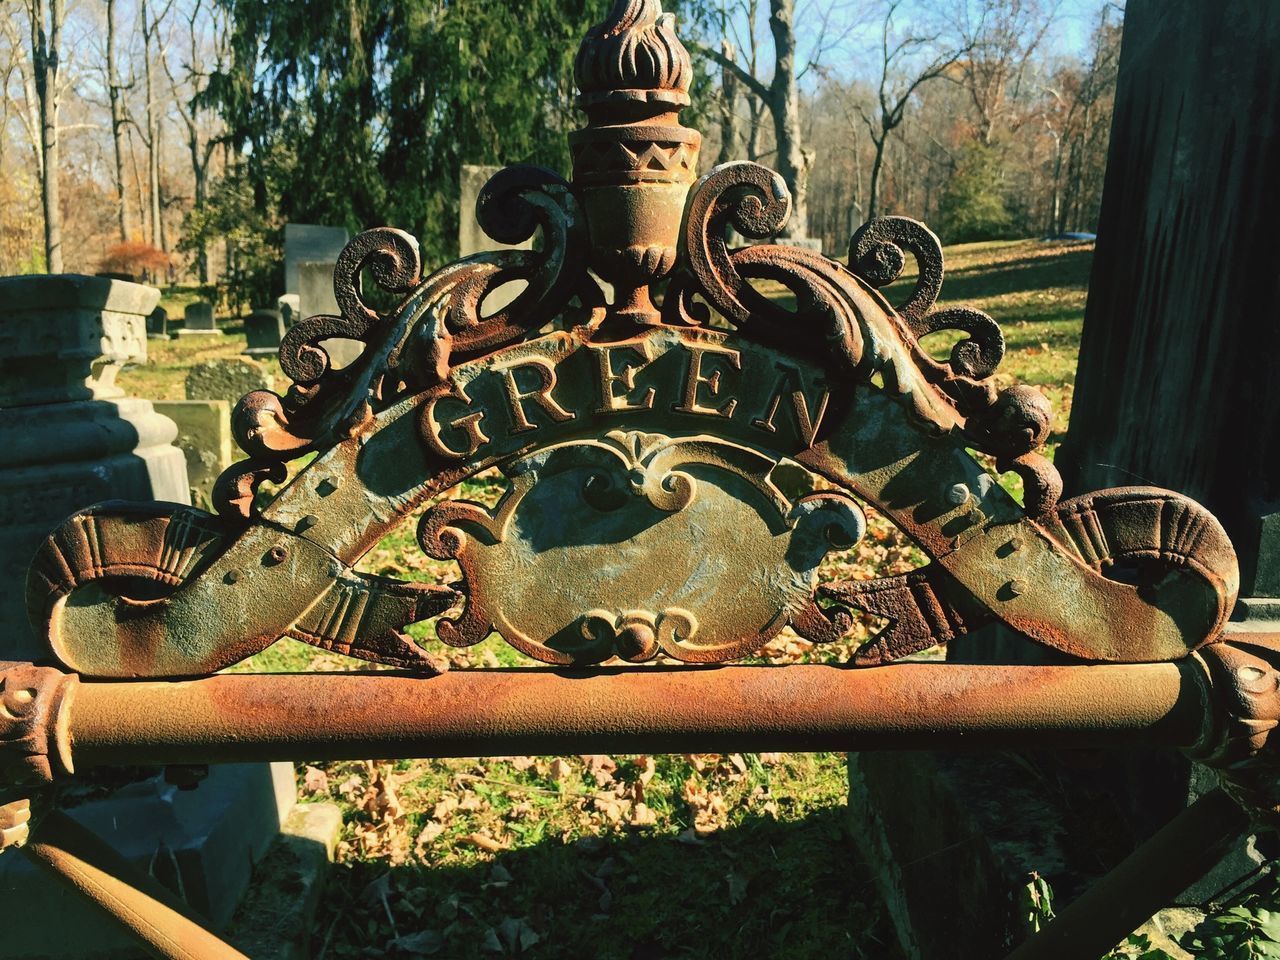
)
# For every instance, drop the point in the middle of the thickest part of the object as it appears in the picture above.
(263, 330)
(70, 437)
(197, 320)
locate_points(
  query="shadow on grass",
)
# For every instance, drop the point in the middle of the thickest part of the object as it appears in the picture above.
(1067, 269)
(766, 888)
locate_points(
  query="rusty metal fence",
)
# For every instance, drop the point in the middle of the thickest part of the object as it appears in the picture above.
(638, 395)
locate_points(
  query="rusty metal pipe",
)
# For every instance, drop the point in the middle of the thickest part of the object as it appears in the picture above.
(1147, 881)
(238, 717)
(136, 903)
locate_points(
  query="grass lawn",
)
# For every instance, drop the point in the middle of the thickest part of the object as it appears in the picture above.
(632, 857)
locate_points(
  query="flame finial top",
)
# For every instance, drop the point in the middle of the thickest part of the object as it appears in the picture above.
(634, 55)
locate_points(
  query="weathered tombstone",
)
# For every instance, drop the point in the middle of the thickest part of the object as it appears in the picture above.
(263, 330)
(309, 243)
(471, 239)
(315, 297)
(158, 324)
(204, 437)
(227, 379)
(197, 320)
(69, 435)
(288, 306)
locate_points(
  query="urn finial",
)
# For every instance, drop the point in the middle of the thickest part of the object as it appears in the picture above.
(633, 164)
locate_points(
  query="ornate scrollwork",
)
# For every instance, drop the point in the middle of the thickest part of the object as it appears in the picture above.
(440, 322)
(1169, 547)
(640, 503)
(1244, 671)
(642, 517)
(35, 746)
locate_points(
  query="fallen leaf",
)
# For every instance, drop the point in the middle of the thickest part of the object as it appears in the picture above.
(510, 938)
(421, 944)
(601, 767)
(642, 816)
(484, 842)
(444, 807)
(560, 770)
(430, 831)
(314, 780)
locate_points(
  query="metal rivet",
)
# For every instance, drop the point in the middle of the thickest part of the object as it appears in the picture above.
(277, 554)
(328, 485)
(1016, 587)
(958, 495)
(232, 576)
(307, 522)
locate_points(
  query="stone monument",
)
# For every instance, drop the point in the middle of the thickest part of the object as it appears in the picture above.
(263, 330)
(158, 324)
(309, 243)
(288, 306)
(198, 320)
(70, 436)
(71, 439)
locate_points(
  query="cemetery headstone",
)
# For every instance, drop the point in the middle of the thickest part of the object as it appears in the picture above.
(315, 296)
(263, 329)
(158, 324)
(309, 243)
(198, 320)
(204, 437)
(228, 379)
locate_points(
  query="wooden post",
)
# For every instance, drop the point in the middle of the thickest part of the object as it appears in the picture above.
(1178, 383)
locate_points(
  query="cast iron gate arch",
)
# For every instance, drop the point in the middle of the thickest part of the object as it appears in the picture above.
(643, 518)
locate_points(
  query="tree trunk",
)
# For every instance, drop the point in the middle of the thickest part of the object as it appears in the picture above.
(757, 128)
(729, 109)
(1177, 384)
(153, 133)
(45, 52)
(114, 91)
(792, 162)
(877, 165)
(199, 173)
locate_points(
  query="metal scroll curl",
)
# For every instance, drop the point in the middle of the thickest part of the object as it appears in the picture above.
(438, 323)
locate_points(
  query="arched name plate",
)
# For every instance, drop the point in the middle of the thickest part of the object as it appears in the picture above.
(641, 435)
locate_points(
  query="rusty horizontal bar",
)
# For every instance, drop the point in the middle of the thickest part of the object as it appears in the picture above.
(234, 717)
